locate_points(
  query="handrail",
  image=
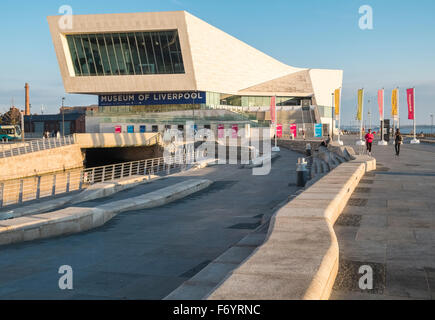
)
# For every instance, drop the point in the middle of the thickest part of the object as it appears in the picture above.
(34, 188)
(8, 150)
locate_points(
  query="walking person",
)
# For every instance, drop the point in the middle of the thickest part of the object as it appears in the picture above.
(398, 140)
(369, 137)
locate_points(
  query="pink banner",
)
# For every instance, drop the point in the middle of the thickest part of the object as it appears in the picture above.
(279, 131)
(294, 130)
(235, 131)
(410, 97)
(118, 129)
(381, 103)
(272, 109)
(221, 131)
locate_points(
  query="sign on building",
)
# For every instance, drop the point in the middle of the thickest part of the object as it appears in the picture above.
(149, 99)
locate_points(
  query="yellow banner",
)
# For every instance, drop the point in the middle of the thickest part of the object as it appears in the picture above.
(394, 103)
(360, 104)
(337, 102)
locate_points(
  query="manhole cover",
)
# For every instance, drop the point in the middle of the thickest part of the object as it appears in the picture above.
(357, 202)
(349, 276)
(362, 190)
(349, 220)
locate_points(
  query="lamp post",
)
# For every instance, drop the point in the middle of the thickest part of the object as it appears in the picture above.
(63, 117)
(332, 117)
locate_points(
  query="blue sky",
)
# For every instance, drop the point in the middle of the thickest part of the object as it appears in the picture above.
(399, 51)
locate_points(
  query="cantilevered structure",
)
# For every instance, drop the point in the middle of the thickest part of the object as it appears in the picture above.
(172, 61)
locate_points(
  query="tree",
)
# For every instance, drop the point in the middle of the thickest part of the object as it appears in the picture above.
(13, 117)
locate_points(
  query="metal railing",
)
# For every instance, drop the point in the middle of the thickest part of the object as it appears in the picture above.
(20, 148)
(16, 192)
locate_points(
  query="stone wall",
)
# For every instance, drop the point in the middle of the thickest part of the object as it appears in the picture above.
(42, 162)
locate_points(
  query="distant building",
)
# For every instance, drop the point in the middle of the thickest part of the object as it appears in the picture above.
(36, 125)
(160, 69)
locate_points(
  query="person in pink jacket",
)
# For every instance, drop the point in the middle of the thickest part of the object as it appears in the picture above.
(369, 141)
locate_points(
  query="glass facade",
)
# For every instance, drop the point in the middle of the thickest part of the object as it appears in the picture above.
(134, 53)
(258, 101)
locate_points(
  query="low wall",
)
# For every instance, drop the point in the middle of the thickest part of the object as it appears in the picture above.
(299, 259)
(113, 140)
(78, 219)
(299, 145)
(41, 162)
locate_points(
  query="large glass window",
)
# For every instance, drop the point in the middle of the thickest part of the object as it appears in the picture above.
(137, 53)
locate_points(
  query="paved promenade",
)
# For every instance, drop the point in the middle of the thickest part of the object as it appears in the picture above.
(389, 224)
(147, 254)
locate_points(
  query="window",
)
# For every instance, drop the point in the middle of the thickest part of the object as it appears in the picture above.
(137, 53)
(155, 128)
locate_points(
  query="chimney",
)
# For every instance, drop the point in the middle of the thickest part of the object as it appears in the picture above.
(27, 113)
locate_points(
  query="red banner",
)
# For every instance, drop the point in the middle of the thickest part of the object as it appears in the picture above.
(279, 131)
(294, 130)
(221, 131)
(410, 97)
(235, 131)
(381, 103)
(272, 109)
(118, 129)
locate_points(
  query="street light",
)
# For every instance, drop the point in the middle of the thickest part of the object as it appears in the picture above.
(63, 117)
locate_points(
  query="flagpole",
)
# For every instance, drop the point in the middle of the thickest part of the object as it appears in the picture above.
(361, 141)
(276, 148)
(398, 107)
(415, 141)
(339, 119)
(383, 142)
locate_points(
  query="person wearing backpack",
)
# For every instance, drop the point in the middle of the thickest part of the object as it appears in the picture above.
(398, 140)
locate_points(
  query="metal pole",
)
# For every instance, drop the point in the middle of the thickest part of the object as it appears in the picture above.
(332, 118)
(415, 128)
(63, 117)
(22, 126)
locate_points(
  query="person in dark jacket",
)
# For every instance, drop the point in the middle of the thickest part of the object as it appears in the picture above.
(398, 140)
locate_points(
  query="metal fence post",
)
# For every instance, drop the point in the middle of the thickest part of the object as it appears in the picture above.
(38, 188)
(53, 189)
(104, 175)
(113, 172)
(20, 195)
(68, 182)
(131, 169)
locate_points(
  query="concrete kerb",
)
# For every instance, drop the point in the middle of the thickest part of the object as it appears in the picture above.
(300, 257)
(76, 219)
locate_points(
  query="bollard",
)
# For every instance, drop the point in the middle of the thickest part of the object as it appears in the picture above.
(301, 173)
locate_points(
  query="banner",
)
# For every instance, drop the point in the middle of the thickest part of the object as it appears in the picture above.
(118, 129)
(337, 101)
(294, 130)
(279, 131)
(394, 103)
(272, 109)
(381, 103)
(235, 131)
(318, 130)
(410, 97)
(360, 104)
(221, 131)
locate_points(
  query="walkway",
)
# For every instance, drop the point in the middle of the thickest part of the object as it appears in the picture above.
(389, 224)
(147, 254)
